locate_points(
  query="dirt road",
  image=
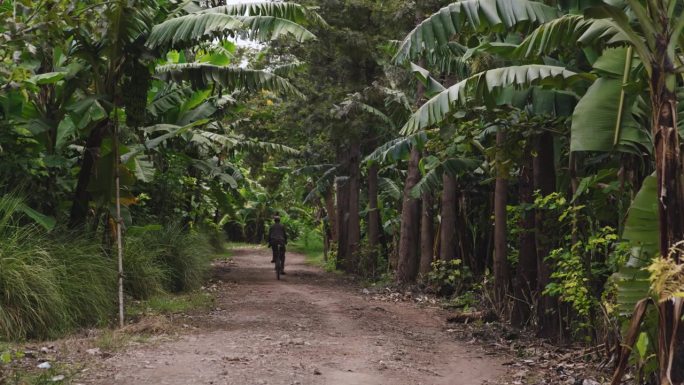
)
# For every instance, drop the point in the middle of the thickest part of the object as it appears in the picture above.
(309, 328)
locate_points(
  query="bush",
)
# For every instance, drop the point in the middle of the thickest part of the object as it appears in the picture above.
(448, 277)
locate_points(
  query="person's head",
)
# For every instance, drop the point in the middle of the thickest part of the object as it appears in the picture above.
(276, 219)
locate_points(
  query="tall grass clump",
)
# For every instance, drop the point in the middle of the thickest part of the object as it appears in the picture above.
(144, 275)
(167, 259)
(53, 282)
(31, 302)
(187, 256)
(87, 279)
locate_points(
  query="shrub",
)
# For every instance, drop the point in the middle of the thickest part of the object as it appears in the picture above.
(448, 277)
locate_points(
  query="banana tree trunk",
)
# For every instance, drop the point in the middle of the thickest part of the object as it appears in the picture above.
(91, 153)
(500, 263)
(525, 283)
(407, 266)
(544, 174)
(670, 208)
(342, 187)
(448, 225)
(427, 237)
(465, 237)
(373, 216)
(354, 221)
(331, 211)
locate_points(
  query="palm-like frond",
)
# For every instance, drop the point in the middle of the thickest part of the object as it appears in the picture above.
(268, 147)
(238, 142)
(261, 21)
(396, 149)
(474, 15)
(233, 78)
(290, 11)
(324, 183)
(389, 188)
(483, 87)
(595, 117)
(432, 86)
(568, 30)
(354, 104)
(165, 100)
(190, 29)
(265, 28)
(432, 180)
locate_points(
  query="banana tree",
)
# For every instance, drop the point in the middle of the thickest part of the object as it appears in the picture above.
(653, 29)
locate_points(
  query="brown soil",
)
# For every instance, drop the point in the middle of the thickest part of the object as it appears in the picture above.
(310, 327)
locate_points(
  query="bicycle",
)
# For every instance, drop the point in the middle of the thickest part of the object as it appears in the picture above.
(279, 257)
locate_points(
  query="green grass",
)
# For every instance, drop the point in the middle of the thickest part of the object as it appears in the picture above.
(310, 243)
(111, 341)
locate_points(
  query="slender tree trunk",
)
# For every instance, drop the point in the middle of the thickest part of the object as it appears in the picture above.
(465, 241)
(427, 236)
(119, 222)
(330, 209)
(342, 187)
(544, 172)
(91, 153)
(407, 266)
(373, 215)
(500, 263)
(354, 222)
(447, 229)
(526, 275)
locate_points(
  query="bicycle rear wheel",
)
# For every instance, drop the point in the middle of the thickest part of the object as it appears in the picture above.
(278, 262)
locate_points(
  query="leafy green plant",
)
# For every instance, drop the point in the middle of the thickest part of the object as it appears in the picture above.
(571, 278)
(448, 277)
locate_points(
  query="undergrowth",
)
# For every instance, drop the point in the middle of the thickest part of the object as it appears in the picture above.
(52, 282)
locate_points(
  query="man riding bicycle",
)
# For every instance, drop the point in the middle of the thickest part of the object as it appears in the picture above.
(277, 236)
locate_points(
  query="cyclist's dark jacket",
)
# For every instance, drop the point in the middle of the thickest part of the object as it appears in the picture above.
(277, 234)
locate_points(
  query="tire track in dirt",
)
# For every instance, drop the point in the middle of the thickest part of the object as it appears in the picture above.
(309, 328)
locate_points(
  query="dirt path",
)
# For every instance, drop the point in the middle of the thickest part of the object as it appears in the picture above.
(309, 328)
